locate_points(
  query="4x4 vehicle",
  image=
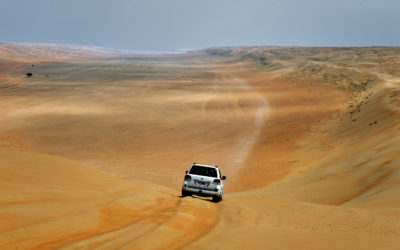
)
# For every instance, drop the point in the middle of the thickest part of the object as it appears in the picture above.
(203, 180)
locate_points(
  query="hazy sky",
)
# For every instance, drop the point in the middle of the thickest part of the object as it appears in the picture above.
(186, 24)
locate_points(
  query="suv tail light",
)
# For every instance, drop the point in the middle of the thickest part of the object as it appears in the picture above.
(188, 177)
(217, 181)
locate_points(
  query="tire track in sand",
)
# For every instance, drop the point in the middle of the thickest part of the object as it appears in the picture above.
(260, 117)
(195, 218)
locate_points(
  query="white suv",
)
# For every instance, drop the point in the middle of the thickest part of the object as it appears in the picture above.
(203, 180)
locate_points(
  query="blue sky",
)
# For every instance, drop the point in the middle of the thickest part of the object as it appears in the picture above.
(167, 25)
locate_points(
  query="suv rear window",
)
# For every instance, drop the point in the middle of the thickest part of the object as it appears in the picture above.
(205, 171)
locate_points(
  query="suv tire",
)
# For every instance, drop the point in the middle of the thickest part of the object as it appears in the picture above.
(216, 198)
(185, 193)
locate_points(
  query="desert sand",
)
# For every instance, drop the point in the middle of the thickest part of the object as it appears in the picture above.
(94, 156)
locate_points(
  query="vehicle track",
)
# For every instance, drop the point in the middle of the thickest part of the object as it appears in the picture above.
(172, 225)
(192, 218)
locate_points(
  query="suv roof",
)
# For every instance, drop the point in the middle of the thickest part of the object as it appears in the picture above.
(202, 165)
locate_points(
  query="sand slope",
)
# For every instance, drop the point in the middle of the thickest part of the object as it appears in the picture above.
(348, 200)
(50, 202)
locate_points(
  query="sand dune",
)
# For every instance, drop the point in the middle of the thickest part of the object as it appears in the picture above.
(51, 202)
(94, 156)
(347, 200)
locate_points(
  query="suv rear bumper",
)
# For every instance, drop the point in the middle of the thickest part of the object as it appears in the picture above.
(202, 191)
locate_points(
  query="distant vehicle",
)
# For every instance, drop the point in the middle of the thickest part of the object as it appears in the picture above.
(203, 180)
(29, 74)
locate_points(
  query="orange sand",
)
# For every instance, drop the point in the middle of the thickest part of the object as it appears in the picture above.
(94, 156)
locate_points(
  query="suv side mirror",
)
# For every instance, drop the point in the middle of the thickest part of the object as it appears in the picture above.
(223, 178)
(186, 172)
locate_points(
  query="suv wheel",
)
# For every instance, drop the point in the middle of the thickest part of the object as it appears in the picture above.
(216, 198)
(185, 193)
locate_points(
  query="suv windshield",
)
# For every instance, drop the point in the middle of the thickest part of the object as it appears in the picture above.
(205, 171)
